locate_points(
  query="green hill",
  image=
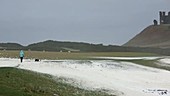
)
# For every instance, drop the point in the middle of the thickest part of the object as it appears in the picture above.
(51, 45)
(10, 46)
(58, 46)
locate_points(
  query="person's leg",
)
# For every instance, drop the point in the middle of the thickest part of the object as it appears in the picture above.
(21, 59)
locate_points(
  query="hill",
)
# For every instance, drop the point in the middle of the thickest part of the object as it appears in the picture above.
(157, 36)
(10, 46)
(58, 46)
(51, 45)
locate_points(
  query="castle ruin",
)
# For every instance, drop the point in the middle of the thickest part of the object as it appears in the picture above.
(164, 19)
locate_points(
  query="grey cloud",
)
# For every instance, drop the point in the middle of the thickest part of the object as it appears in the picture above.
(93, 21)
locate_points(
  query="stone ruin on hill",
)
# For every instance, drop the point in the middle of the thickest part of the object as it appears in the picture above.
(164, 18)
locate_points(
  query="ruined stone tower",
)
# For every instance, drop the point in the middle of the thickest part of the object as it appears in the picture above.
(164, 19)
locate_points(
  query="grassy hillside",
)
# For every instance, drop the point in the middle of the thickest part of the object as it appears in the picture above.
(17, 82)
(153, 36)
(80, 47)
(51, 45)
(10, 46)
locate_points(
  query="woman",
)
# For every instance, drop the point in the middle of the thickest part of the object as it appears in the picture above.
(21, 54)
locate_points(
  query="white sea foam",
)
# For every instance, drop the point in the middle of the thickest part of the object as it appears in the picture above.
(128, 58)
(120, 78)
(165, 61)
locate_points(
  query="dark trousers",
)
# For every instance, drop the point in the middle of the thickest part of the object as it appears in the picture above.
(21, 58)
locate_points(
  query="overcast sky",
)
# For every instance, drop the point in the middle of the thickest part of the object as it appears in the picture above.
(92, 21)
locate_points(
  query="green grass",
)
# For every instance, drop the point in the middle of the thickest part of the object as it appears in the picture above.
(66, 55)
(17, 82)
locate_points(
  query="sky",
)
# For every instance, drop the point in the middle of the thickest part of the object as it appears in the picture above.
(111, 22)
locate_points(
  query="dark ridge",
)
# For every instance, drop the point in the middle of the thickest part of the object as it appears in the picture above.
(10, 46)
(58, 46)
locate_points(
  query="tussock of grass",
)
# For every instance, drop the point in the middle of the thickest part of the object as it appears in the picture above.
(17, 82)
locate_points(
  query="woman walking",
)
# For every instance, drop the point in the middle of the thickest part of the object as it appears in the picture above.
(21, 54)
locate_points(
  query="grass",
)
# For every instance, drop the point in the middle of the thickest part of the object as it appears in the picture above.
(18, 82)
(66, 55)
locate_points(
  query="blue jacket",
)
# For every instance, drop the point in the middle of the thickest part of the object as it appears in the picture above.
(21, 54)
